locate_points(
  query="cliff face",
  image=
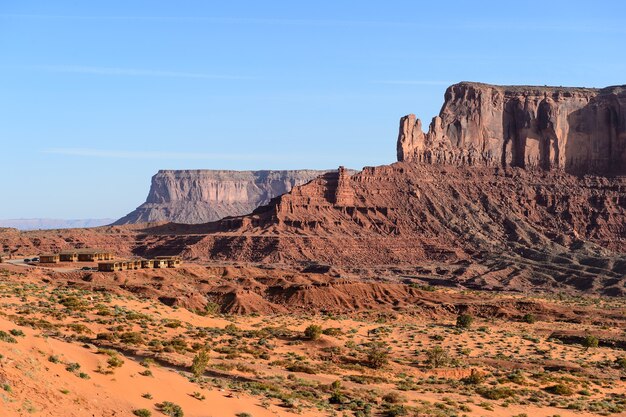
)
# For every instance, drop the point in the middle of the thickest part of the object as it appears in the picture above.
(580, 130)
(200, 196)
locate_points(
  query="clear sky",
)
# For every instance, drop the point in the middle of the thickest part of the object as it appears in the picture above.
(96, 96)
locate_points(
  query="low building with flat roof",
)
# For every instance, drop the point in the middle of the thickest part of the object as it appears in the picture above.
(68, 256)
(93, 255)
(49, 258)
(172, 261)
(111, 266)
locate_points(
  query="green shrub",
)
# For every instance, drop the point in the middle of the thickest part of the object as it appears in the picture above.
(621, 362)
(377, 355)
(142, 412)
(590, 342)
(464, 321)
(559, 389)
(115, 361)
(131, 338)
(529, 318)
(170, 409)
(72, 367)
(474, 378)
(5, 337)
(16, 332)
(437, 357)
(200, 362)
(496, 393)
(313, 332)
(332, 331)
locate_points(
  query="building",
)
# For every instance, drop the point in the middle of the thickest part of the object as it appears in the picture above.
(172, 261)
(111, 266)
(94, 255)
(133, 264)
(49, 258)
(159, 263)
(68, 256)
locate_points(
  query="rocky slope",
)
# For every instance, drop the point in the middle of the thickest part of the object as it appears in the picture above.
(580, 130)
(200, 196)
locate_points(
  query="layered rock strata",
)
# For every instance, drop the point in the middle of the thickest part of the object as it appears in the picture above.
(580, 130)
(200, 196)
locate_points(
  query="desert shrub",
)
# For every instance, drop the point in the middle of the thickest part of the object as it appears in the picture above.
(337, 397)
(621, 362)
(529, 318)
(54, 359)
(395, 410)
(332, 331)
(496, 393)
(517, 377)
(131, 338)
(437, 357)
(73, 302)
(200, 362)
(142, 412)
(243, 415)
(211, 308)
(16, 332)
(464, 321)
(474, 378)
(301, 367)
(72, 367)
(170, 409)
(393, 398)
(590, 342)
(173, 323)
(5, 337)
(559, 389)
(147, 372)
(377, 355)
(231, 328)
(115, 361)
(313, 332)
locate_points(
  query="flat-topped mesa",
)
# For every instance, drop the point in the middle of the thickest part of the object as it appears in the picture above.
(580, 130)
(200, 196)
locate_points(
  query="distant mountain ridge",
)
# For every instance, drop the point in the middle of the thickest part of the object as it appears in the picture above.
(37, 224)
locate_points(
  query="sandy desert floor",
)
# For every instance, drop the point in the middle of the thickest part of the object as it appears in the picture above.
(68, 351)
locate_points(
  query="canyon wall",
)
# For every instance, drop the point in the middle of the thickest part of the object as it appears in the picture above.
(580, 130)
(200, 196)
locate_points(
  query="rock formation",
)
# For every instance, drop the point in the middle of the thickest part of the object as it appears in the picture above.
(200, 196)
(490, 183)
(581, 130)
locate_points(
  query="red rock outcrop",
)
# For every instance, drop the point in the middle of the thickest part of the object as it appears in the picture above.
(581, 130)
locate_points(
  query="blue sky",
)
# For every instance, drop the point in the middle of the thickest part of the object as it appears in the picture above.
(95, 97)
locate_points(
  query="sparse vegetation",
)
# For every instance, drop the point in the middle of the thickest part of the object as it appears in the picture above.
(313, 332)
(200, 362)
(464, 321)
(170, 409)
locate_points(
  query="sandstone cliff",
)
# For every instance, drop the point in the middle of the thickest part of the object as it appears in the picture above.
(580, 130)
(200, 196)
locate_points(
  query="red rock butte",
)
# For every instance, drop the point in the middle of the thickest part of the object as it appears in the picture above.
(581, 130)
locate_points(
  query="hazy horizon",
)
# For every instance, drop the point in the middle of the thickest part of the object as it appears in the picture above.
(98, 97)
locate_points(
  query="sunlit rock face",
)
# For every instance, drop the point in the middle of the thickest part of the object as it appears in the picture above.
(580, 130)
